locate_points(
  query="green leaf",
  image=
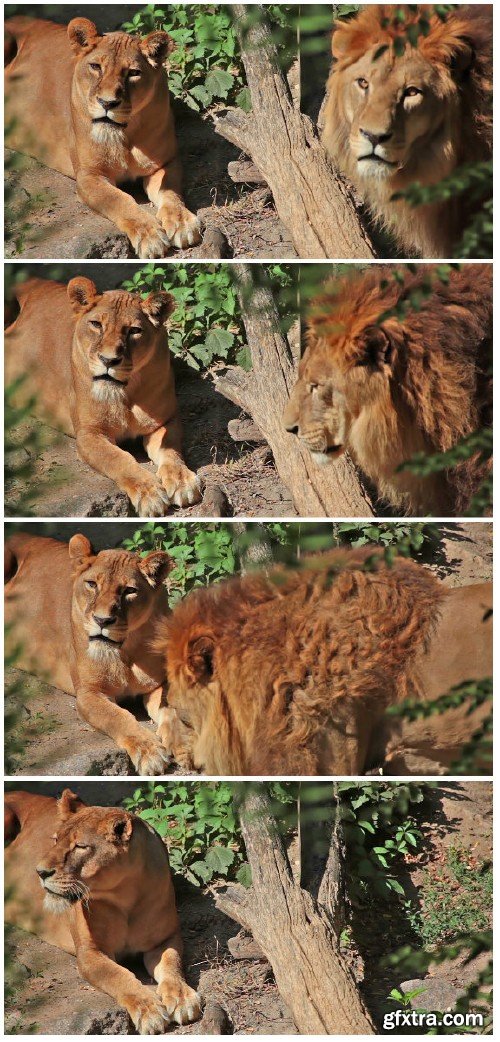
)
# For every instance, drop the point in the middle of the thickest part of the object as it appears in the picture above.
(219, 83)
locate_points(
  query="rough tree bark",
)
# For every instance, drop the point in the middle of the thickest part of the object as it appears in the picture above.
(294, 929)
(318, 209)
(333, 491)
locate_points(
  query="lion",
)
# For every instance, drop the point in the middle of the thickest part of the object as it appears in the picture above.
(97, 109)
(83, 622)
(99, 368)
(292, 673)
(398, 113)
(105, 893)
(384, 387)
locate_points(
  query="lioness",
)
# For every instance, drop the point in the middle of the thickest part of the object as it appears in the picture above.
(106, 892)
(293, 673)
(97, 108)
(386, 388)
(84, 622)
(400, 112)
(99, 365)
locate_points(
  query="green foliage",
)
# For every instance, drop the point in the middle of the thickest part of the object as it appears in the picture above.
(455, 898)
(479, 444)
(203, 552)
(199, 824)
(23, 442)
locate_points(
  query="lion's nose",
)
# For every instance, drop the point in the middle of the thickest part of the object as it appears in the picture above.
(293, 427)
(45, 873)
(109, 103)
(110, 362)
(104, 620)
(375, 139)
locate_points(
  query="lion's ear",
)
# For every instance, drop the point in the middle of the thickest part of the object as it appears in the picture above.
(82, 294)
(375, 347)
(158, 306)
(80, 551)
(83, 35)
(200, 659)
(68, 804)
(121, 828)
(156, 566)
(156, 46)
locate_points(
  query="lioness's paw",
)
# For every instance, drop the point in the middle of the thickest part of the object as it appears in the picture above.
(181, 1002)
(147, 1013)
(147, 754)
(148, 238)
(149, 498)
(182, 227)
(181, 485)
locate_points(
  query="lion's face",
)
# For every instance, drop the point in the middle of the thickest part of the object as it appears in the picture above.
(90, 850)
(114, 592)
(115, 75)
(116, 334)
(338, 380)
(391, 106)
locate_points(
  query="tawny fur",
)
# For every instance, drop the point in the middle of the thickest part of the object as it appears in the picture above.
(453, 66)
(425, 390)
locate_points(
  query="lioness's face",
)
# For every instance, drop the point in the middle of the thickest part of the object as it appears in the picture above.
(393, 107)
(115, 75)
(337, 381)
(88, 844)
(116, 333)
(114, 592)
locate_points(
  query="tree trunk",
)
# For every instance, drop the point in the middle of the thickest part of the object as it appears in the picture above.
(293, 930)
(315, 205)
(332, 491)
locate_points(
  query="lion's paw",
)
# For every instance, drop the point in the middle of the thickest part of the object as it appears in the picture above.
(182, 227)
(148, 497)
(147, 754)
(181, 485)
(182, 1003)
(148, 238)
(148, 1014)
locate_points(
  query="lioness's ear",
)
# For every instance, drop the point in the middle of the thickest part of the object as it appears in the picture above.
(156, 46)
(158, 306)
(375, 347)
(80, 551)
(156, 566)
(83, 35)
(121, 828)
(82, 294)
(200, 659)
(68, 804)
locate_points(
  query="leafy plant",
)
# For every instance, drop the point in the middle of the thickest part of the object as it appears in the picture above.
(455, 898)
(203, 553)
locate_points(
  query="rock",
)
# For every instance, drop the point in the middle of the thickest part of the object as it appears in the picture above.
(437, 995)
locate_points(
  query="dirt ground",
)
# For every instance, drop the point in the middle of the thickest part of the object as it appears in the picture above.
(59, 744)
(52, 999)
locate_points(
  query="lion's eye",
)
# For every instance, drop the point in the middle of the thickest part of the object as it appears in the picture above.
(412, 92)
(134, 74)
(135, 331)
(94, 66)
(95, 324)
(362, 83)
(311, 388)
(90, 584)
(130, 591)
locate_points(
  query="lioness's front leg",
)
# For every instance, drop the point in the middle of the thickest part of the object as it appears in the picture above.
(99, 968)
(164, 963)
(144, 231)
(164, 188)
(175, 737)
(182, 486)
(146, 492)
(144, 748)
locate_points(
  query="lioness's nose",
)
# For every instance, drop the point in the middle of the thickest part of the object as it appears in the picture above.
(109, 103)
(293, 427)
(104, 620)
(45, 873)
(375, 139)
(110, 362)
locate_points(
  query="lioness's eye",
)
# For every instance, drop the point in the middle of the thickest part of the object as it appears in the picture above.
(312, 387)
(362, 83)
(135, 331)
(94, 66)
(130, 591)
(134, 74)
(81, 846)
(94, 323)
(412, 92)
(90, 584)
